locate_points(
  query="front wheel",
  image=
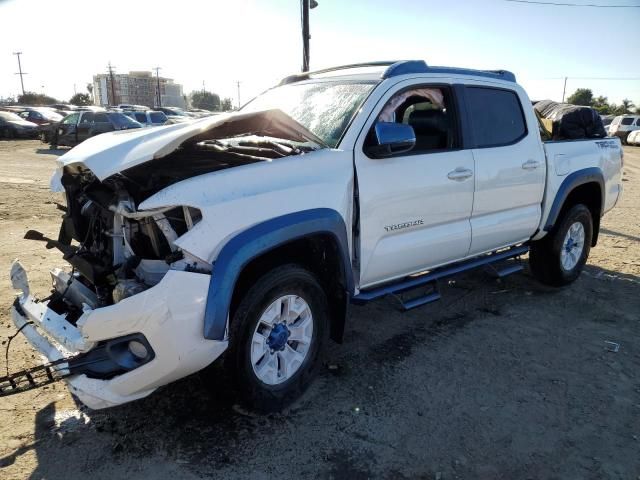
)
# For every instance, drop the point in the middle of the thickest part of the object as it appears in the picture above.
(558, 259)
(277, 335)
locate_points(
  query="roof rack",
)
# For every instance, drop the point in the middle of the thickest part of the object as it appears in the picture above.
(404, 67)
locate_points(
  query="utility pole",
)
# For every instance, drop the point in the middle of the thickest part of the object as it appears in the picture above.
(113, 87)
(564, 90)
(306, 5)
(159, 98)
(238, 84)
(20, 72)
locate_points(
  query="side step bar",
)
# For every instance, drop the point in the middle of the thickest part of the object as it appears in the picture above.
(432, 277)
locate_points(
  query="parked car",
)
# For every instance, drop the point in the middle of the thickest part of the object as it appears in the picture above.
(79, 126)
(175, 115)
(201, 112)
(606, 121)
(14, 126)
(251, 233)
(148, 118)
(634, 138)
(129, 106)
(41, 116)
(623, 125)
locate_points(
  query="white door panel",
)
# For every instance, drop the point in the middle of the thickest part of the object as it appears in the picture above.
(413, 215)
(509, 187)
(509, 172)
(503, 228)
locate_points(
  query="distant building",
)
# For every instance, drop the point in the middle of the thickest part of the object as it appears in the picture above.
(136, 88)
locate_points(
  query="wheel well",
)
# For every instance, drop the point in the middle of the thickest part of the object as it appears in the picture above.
(590, 195)
(321, 256)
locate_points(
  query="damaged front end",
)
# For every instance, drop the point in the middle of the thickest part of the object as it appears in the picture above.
(129, 315)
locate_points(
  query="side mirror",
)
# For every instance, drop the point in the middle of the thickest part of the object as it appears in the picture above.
(392, 139)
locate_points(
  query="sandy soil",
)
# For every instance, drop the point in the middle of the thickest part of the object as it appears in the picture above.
(499, 380)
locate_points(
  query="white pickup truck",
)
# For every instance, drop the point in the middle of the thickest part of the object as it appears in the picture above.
(249, 234)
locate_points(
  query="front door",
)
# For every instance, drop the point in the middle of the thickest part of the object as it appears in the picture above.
(66, 130)
(415, 207)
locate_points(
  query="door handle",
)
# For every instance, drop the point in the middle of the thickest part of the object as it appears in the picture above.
(530, 164)
(459, 174)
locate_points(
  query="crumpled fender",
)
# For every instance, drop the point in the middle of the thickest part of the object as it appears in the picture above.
(257, 240)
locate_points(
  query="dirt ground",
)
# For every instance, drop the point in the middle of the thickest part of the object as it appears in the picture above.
(504, 380)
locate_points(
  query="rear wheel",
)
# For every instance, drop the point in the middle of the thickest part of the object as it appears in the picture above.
(558, 259)
(277, 334)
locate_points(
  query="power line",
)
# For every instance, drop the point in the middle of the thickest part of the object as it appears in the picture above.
(557, 4)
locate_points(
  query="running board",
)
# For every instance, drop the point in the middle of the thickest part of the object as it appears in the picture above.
(409, 283)
(509, 270)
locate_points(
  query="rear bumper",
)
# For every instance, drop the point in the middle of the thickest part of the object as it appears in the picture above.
(170, 315)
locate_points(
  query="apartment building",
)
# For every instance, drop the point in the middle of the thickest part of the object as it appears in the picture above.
(137, 88)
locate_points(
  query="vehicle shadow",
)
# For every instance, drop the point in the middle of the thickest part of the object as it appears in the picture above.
(195, 424)
(620, 234)
(50, 151)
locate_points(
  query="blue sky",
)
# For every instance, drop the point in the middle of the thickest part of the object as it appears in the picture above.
(258, 42)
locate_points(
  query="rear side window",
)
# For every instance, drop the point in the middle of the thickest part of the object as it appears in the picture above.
(158, 117)
(627, 121)
(141, 117)
(496, 116)
(86, 118)
(101, 118)
(122, 121)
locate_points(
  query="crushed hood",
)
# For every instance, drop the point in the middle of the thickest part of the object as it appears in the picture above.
(110, 153)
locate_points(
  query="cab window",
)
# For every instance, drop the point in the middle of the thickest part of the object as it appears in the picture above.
(71, 119)
(100, 118)
(429, 111)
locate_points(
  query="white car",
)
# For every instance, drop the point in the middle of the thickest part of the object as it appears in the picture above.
(251, 233)
(634, 138)
(623, 125)
(148, 118)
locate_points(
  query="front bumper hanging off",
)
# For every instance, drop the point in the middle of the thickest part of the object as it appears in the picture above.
(121, 352)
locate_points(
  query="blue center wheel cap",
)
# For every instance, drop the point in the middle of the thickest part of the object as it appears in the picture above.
(278, 337)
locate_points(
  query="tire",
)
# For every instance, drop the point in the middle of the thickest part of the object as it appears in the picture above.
(274, 390)
(558, 259)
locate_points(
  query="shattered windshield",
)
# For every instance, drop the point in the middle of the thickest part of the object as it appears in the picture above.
(324, 108)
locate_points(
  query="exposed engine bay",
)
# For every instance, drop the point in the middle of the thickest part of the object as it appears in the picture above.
(117, 251)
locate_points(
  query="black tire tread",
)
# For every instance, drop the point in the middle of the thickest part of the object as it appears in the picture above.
(254, 394)
(544, 256)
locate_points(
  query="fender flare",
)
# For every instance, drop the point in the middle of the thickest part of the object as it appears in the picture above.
(259, 239)
(573, 180)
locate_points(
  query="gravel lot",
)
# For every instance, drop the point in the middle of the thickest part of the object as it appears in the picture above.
(499, 380)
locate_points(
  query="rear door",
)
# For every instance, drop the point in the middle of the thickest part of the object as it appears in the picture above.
(101, 124)
(510, 166)
(415, 206)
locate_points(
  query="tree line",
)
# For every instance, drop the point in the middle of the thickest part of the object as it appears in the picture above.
(199, 99)
(210, 101)
(584, 96)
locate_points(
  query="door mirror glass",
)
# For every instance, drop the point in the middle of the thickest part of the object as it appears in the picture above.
(391, 139)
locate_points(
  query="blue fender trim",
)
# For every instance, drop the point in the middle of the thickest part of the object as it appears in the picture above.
(573, 180)
(259, 239)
